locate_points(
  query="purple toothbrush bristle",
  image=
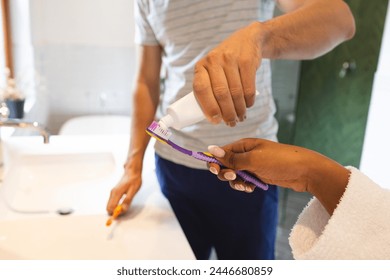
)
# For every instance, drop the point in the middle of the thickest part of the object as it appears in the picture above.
(157, 131)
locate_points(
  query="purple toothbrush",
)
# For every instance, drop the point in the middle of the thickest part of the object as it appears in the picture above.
(163, 135)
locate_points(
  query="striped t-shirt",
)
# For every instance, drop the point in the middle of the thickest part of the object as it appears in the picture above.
(188, 30)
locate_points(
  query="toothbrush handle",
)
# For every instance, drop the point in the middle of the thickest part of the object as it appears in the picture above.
(246, 176)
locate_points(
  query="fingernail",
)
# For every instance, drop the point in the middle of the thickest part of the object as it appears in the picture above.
(124, 207)
(231, 124)
(213, 170)
(239, 187)
(230, 176)
(216, 151)
(248, 189)
(216, 118)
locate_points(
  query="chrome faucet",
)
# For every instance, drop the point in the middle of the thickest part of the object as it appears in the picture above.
(17, 123)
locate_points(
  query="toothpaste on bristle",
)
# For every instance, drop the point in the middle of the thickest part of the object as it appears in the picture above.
(157, 131)
(166, 122)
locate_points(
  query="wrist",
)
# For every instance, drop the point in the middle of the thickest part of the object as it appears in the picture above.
(327, 182)
(265, 39)
(133, 163)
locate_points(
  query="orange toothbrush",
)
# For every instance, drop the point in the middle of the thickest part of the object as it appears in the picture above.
(117, 211)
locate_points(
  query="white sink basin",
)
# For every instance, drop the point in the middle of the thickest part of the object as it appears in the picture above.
(70, 172)
(77, 173)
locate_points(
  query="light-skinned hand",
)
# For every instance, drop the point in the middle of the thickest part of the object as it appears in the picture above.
(224, 80)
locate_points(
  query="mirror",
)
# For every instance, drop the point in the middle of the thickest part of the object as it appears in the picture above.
(74, 57)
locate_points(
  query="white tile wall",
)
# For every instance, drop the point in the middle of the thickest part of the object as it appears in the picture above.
(84, 53)
(84, 80)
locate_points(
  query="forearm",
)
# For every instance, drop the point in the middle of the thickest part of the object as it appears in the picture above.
(309, 31)
(146, 96)
(145, 102)
(327, 180)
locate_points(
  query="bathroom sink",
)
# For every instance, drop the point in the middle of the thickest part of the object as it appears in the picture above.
(70, 174)
(51, 182)
(53, 203)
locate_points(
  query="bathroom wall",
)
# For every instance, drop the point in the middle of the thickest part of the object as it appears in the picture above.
(84, 55)
(81, 56)
(333, 100)
(285, 82)
(376, 151)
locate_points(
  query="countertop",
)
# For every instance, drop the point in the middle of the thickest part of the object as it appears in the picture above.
(149, 230)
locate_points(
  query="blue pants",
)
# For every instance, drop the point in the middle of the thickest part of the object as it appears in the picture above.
(238, 225)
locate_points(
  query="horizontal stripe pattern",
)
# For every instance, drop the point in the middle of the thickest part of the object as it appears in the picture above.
(187, 30)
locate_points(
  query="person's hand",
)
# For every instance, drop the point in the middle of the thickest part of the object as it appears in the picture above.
(225, 79)
(274, 163)
(288, 166)
(128, 185)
